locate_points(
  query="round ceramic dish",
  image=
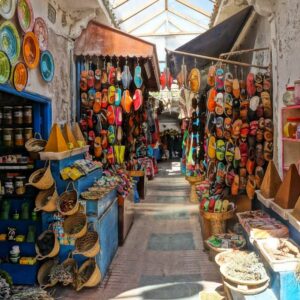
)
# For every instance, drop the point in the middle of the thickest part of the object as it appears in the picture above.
(31, 50)
(10, 41)
(20, 76)
(25, 15)
(5, 67)
(41, 32)
(47, 66)
(8, 8)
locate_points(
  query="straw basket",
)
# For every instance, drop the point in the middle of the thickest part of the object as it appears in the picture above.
(43, 277)
(71, 222)
(68, 195)
(46, 200)
(35, 145)
(53, 252)
(94, 278)
(136, 173)
(41, 179)
(193, 180)
(88, 245)
(70, 261)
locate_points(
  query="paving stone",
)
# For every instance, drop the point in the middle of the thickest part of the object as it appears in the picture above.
(179, 215)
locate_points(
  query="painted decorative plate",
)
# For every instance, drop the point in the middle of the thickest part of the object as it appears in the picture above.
(10, 41)
(20, 76)
(47, 66)
(25, 15)
(5, 67)
(8, 8)
(31, 50)
(41, 31)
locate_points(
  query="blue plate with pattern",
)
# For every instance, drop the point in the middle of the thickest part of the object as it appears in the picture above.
(47, 66)
(10, 41)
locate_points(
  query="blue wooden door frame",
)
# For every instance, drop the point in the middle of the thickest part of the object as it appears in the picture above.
(42, 106)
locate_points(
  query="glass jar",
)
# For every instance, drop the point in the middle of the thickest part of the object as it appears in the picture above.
(290, 127)
(1, 137)
(8, 137)
(297, 92)
(9, 185)
(1, 116)
(20, 185)
(19, 138)
(288, 97)
(18, 115)
(7, 115)
(28, 133)
(27, 115)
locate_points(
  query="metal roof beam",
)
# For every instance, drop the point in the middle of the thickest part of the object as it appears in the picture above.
(139, 10)
(176, 26)
(194, 7)
(168, 33)
(153, 16)
(119, 3)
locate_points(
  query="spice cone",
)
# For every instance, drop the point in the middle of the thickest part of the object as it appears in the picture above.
(296, 211)
(271, 181)
(289, 190)
(78, 134)
(69, 137)
(56, 141)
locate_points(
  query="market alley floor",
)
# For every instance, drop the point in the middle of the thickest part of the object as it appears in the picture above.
(163, 256)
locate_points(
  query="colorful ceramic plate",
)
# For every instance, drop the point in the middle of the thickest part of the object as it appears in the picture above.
(25, 15)
(31, 50)
(47, 66)
(20, 76)
(10, 41)
(41, 31)
(8, 8)
(5, 67)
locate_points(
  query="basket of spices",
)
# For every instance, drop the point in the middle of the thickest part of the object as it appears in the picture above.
(43, 276)
(41, 179)
(88, 275)
(75, 226)
(88, 245)
(68, 203)
(35, 145)
(46, 200)
(47, 245)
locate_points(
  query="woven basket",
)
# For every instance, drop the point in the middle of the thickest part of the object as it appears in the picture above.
(95, 277)
(71, 195)
(88, 245)
(35, 145)
(212, 216)
(195, 179)
(72, 221)
(136, 173)
(70, 261)
(53, 252)
(43, 274)
(49, 197)
(41, 179)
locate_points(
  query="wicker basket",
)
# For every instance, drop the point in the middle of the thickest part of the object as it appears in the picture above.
(46, 200)
(35, 145)
(70, 261)
(71, 195)
(44, 272)
(41, 179)
(193, 180)
(53, 252)
(88, 245)
(95, 277)
(136, 173)
(71, 222)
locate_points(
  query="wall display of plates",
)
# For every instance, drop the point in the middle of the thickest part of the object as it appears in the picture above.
(47, 66)
(8, 8)
(10, 41)
(5, 67)
(31, 50)
(41, 31)
(20, 76)
(25, 15)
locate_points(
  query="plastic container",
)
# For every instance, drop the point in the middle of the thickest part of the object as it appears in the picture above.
(290, 127)
(18, 115)
(297, 92)
(7, 115)
(288, 97)
(8, 140)
(19, 138)
(27, 115)
(20, 185)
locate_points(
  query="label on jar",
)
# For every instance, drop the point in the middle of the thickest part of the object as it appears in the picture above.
(27, 113)
(18, 114)
(7, 116)
(7, 137)
(19, 136)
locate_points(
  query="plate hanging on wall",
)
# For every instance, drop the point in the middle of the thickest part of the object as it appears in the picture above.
(5, 67)
(10, 41)
(47, 66)
(31, 50)
(41, 31)
(20, 76)
(8, 8)
(25, 15)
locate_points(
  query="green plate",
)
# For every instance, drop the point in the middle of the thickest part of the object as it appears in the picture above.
(5, 67)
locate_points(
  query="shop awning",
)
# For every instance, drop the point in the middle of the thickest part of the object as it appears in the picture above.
(213, 42)
(101, 40)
